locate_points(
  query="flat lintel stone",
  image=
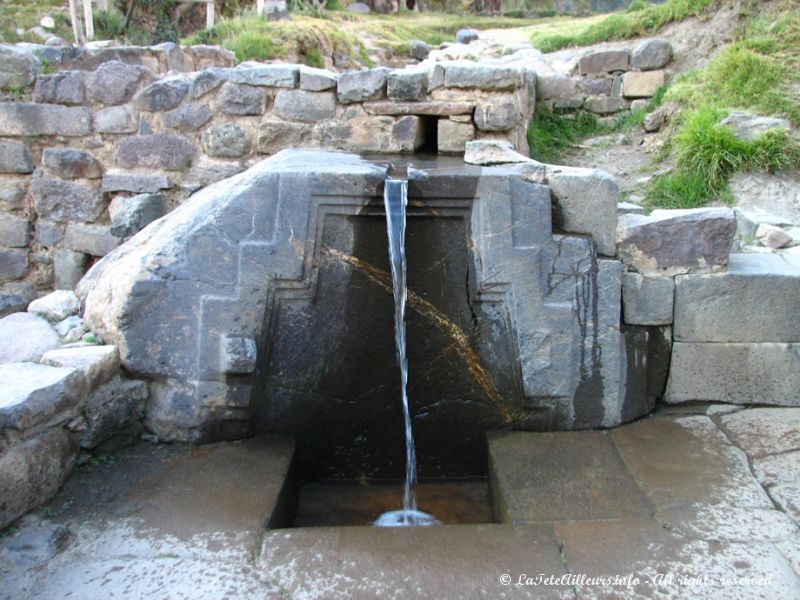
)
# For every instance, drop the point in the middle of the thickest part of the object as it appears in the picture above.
(285, 76)
(419, 108)
(483, 77)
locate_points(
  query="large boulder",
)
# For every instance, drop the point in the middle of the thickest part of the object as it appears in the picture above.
(671, 242)
(651, 54)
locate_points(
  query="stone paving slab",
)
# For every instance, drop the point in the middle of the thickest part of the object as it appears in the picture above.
(462, 561)
(763, 431)
(698, 569)
(687, 460)
(560, 476)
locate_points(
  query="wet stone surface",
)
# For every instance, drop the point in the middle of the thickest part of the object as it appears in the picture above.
(188, 522)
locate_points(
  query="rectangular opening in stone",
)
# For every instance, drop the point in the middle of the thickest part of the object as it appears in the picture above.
(354, 503)
(430, 135)
(328, 373)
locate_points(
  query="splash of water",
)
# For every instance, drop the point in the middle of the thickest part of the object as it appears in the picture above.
(395, 200)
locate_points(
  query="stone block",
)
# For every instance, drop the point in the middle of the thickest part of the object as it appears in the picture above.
(419, 49)
(27, 119)
(500, 114)
(238, 355)
(672, 242)
(15, 232)
(56, 306)
(12, 194)
(551, 86)
(71, 163)
(163, 94)
(95, 240)
(585, 201)
(131, 214)
(300, 105)
(603, 105)
(97, 363)
(738, 373)
(647, 300)
(208, 170)
(68, 268)
(317, 80)
(25, 337)
(116, 119)
(419, 108)
(651, 54)
(32, 472)
(64, 201)
(274, 136)
(642, 85)
(227, 140)
(18, 68)
(533, 474)
(604, 61)
(114, 412)
(188, 117)
(408, 84)
(492, 152)
(12, 303)
(65, 87)
(168, 151)
(14, 157)
(115, 82)
(13, 264)
(465, 36)
(596, 86)
(234, 99)
(204, 82)
(254, 74)
(453, 137)
(407, 134)
(747, 126)
(359, 86)
(120, 181)
(756, 300)
(483, 77)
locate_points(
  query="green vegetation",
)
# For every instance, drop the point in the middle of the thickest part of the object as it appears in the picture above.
(397, 31)
(708, 154)
(759, 73)
(25, 15)
(550, 134)
(640, 19)
(307, 38)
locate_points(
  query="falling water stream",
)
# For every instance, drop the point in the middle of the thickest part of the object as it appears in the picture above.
(395, 201)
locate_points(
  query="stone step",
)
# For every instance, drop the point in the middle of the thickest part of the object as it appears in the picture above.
(458, 561)
(234, 488)
(576, 475)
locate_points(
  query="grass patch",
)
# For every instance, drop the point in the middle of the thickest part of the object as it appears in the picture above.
(708, 154)
(550, 133)
(397, 31)
(639, 20)
(25, 15)
(308, 38)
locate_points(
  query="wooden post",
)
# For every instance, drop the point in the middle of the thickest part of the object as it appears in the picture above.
(260, 8)
(209, 14)
(76, 23)
(102, 4)
(88, 18)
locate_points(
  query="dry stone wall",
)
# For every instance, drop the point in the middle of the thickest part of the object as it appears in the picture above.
(117, 137)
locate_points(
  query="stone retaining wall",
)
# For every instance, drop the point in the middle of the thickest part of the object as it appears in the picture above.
(608, 81)
(117, 137)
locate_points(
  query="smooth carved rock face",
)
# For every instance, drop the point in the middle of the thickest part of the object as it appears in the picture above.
(283, 271)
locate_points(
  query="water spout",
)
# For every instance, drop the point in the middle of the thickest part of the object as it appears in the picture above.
(395, 200)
